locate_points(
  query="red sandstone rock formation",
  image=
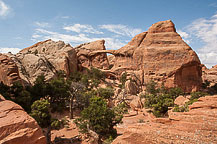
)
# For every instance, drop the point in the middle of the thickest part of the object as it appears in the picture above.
(199, 125)
(8, 70)
(160, 54)
(16, 126)
(87, 57)
(210, 75)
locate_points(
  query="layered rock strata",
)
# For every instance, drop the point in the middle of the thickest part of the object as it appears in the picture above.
(199, 125)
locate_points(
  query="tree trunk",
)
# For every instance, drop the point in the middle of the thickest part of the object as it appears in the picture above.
(48, 135)
(71, 108)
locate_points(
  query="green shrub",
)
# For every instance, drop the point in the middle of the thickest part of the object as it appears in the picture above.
(105, 93)
(99, 117)
(123, 79)
(181, 109)
(151, 88)
(159, 99)
(40, 112)
(56, 124)
(196, 95)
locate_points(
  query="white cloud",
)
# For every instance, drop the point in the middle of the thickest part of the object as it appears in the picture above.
(79, 28)
(12, 50)
(4, 9)
(185, 36)
(206, 31)
(42, 34)
(42, 24)
(65, 17)
(121, 29)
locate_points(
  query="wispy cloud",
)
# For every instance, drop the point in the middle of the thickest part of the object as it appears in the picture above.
(185, 36)
(42, 24)
(12, 50)
(121, 29)
(79, 28)
(65, 17)
(4, 9)
(42, 34)
(88, 33)
(206, 31)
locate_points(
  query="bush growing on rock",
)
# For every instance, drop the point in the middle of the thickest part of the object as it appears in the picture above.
(159, 99)
(99, 118)
(105, 93)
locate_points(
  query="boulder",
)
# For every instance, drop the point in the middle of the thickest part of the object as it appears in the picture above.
(181, 100)
(160, 54)
(131, 87)
(45, 58)
(88, 56)
(16, 126)
(8, 70)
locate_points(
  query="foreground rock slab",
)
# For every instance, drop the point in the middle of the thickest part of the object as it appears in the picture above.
(199, 125)
(16, 126)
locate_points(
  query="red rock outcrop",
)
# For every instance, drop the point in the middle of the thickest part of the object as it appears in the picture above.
(16, 126)
(45, 58)
(87, 58)
(209, 75)
(199, 125)
(8, 70)
(160, 54)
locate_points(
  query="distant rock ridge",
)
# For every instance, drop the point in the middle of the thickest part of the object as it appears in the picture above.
(16, 126)
(159, 54)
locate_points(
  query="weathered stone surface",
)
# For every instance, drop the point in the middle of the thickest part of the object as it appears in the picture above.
(199, 125)
(161, 55)
(17, 127)
(8, 70)
(181, 100)
(87, 56)
(131, 87)
(209, 75)
(45, 58)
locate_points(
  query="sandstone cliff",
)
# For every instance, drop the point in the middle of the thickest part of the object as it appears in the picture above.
(160, 54)
(8, 70)
(16, 126)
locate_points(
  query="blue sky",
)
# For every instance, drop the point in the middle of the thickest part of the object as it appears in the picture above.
(25, 22)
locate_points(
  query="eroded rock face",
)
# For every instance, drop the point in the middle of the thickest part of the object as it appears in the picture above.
(45, 58)
(16, 126)
(199, 125)
(161, 54)
(8, 70)
(86, 57)
(210, 75)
